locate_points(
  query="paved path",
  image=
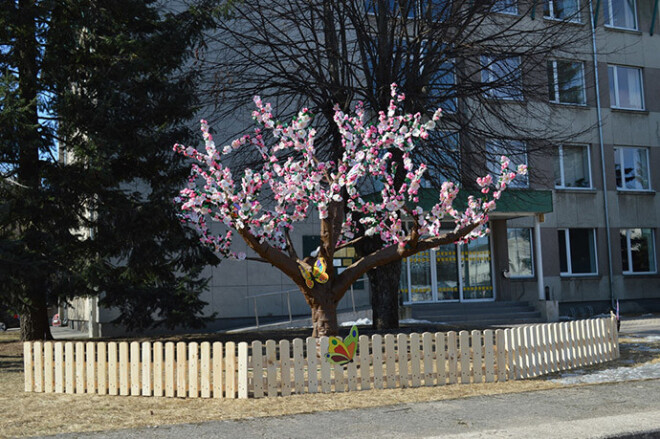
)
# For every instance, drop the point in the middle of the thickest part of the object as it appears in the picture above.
(580, 412)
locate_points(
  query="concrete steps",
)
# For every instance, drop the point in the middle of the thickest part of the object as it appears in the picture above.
(478, 313)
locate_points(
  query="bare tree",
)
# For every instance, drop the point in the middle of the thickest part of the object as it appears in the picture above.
(485, 62)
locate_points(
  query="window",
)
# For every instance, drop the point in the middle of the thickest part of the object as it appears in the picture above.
(436, 9)
(626, 87)
(631, 166)
(515, 151)
(637, 251)
(572, 167)
(443, 157)
(577, 251)
(562, 9)
(442, 87)
(566, 82)
(408, 8)
(620, 13)
(521, 262)
(504, 77)
(505, 7)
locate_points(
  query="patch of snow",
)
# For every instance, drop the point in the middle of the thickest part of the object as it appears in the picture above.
(644, 338)
(619, 374)
(419, 322)
(359, 322)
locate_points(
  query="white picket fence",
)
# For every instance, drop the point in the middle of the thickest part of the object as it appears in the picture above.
(270, 369)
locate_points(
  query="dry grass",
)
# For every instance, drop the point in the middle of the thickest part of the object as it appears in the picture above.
(27, 414)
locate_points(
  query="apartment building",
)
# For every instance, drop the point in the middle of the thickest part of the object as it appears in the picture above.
(591, 239)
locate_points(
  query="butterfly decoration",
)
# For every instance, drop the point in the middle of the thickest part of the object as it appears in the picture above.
(317, 274)
(342, 352)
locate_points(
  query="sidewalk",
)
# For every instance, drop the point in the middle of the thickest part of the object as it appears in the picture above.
(599, 411)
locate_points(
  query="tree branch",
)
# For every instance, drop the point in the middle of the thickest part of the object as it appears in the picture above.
(289, 245)
(349, 243)
(284, 263)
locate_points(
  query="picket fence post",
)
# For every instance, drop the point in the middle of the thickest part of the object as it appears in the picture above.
(312, 366)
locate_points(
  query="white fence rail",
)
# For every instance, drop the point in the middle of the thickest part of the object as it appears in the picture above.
(230, 370)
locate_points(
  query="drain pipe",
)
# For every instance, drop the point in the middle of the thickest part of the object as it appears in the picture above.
(592, 19)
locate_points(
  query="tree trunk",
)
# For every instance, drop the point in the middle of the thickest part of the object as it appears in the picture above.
(324, 316)
(34, 315)
(384, 287)
(34, 320)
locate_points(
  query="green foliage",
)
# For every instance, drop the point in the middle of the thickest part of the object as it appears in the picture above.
(104, 84)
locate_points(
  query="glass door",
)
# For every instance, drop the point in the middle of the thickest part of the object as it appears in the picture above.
(446, 273)
(476, 270)
(420, 277)
(449, 273)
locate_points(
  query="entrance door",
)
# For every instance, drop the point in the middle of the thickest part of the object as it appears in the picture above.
(449, 273)
(421, 284)
(476, 270)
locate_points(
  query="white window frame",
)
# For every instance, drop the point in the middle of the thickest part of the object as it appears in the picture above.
(509, 10)
(619, 150)
(615, 71)
(555, 75)
(569, 265)
(414, 10)
(452, 70)
(629, 270)
(487, 61)
(493, 161)
(427, 184)
(531, 247)
(608, 4)
(551, 8)
(561, 169)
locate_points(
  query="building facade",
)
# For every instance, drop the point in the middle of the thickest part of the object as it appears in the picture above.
(597, 243)
(573, 239)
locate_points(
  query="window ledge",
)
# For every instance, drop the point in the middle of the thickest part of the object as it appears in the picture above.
(628, 110)
(635, 192)
(578, 22)
(590, 276)
(522, 278)
(507, 14)
(519, 101)
(569, 105)
(571, 190)
(624, 30)
(640, 275)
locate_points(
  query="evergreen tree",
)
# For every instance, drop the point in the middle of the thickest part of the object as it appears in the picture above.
(93, 95)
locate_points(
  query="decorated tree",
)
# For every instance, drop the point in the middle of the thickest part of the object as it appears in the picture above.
(263, 205)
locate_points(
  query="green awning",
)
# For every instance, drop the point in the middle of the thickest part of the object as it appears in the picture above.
(512, 202)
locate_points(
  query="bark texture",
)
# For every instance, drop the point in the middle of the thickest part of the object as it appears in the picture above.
(34, 322)
(384, 287)
(324, 310)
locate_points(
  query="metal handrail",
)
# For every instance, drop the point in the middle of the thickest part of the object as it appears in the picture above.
(288, 299)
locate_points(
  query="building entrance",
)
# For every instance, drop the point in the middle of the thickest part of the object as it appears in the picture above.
(449, 273)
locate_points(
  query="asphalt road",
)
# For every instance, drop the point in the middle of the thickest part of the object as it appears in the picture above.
(599, 411)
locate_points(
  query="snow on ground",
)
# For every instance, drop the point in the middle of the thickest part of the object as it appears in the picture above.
(618, 374)
(419, 322)
(643, 372)
(366, 321)
(359, 322)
